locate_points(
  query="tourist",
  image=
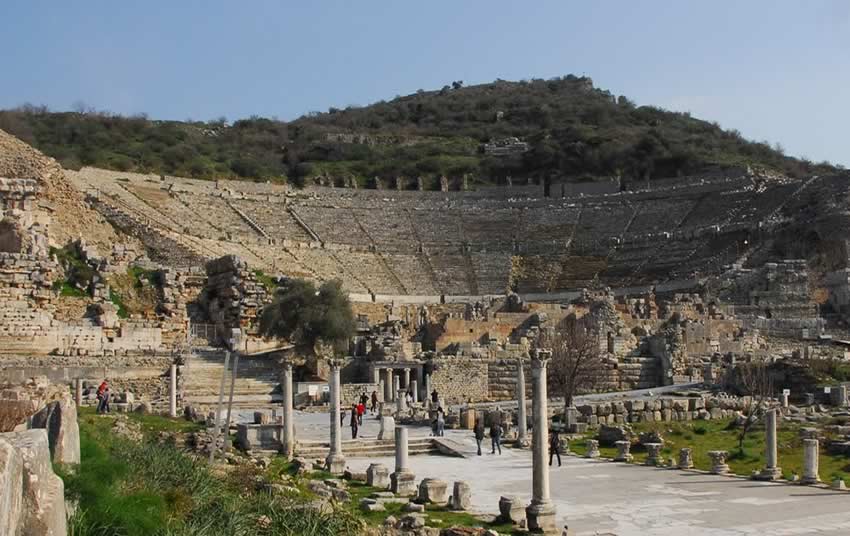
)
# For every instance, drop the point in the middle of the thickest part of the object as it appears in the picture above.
(100, 390)
(555, 446)
(341, 416)
(354, 422)
(103, 407)
(361, 409)
(364, 398)
(441, 422)
(479, 433)
(435, 397)
(496, 436)
(374, 401)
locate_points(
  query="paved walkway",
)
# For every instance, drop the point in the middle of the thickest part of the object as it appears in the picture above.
(602, 497)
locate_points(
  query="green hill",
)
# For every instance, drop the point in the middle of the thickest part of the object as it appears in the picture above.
(564, 128)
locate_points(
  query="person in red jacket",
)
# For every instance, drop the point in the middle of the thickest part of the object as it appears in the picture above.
(101, 395)
(361, 409)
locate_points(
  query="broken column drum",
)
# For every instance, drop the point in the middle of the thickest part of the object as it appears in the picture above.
(623, 451)
(402, 481)
(810, 462)
(592, 449)
(718, 461)
(685, 458)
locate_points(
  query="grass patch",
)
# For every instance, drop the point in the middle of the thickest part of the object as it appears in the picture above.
(706, 436)
(147, 488)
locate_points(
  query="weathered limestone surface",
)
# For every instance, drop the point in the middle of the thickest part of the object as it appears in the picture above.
(59, 418)
(378, 476)
(433, 491)
(11, 485)
(461, 496)
(43, 511)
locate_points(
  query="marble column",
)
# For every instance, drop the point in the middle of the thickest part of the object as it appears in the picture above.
(78, 392)
(402, 481)
(377, 374)
(172, 391)
(396, 386)
(784, 400)
(540, 513)
(427, 389)
(335, 462)
(388, 385)
(406, 378)
(400, 403)
(288, 436)
(521, 422)
(771, 470)
(414, 391)
(810, 462)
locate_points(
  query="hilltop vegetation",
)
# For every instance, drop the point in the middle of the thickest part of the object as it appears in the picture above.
(573, 131)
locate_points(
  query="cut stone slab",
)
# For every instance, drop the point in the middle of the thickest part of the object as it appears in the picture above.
(59, 418)
(433, 491)
(461, 496)
(11, 486)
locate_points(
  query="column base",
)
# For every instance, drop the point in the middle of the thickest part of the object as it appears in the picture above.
(403, 484)
(768, 473)
(810, 480)
(335, 464)
(542, 517)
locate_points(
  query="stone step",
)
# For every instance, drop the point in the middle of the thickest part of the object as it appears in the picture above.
(251, 401)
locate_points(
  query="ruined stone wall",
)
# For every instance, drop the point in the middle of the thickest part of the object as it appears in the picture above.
(144, 376)
(233, 295)
(661, 410)
(460, 380)
(838, 286)
(350, 393)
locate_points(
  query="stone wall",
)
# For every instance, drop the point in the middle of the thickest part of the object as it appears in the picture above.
(661, 409)
(233, 295)
(460, 380)
(350, 393)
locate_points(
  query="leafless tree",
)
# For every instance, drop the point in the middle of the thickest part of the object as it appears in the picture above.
(752, 380)
(576, 363)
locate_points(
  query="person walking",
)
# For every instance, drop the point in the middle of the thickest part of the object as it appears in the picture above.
(361, 409)
(479, 434)
(496, 436)
(555, 446)
(364, 398)
(374, 402)
(441, 422)
(435, 397)
(354, 422)
(104, 401)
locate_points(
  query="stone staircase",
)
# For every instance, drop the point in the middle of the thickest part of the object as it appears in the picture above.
(257, 382)
(366, 448)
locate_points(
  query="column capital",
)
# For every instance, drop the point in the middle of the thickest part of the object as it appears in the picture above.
(287, 366)
(540, 358)
(335, 363)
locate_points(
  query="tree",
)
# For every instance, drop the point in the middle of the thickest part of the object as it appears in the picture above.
(305, 315)
(576, 359)
(752, 380)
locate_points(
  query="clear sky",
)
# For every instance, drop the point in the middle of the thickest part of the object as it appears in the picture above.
(777, 70)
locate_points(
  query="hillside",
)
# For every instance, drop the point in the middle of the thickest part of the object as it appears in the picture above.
(564, 128)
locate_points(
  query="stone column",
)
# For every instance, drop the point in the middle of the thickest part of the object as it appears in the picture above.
(414, 390)
(810, 462)
(771, 470)
(172, 391)
(377, 374)
(686, 461)
(521, 422)
(624, 448)
(540, 513)
(388, 385)
(335, 462)
(402, 481)
(718, 461)
(78, 392)
(400, 403)
(842, 396)
(428, 389)
(784, 399)
(288, 436)
(592, 449)
(406, 378)
(396, 385)
(653, 454)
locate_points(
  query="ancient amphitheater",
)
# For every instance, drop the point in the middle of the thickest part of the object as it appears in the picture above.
(682, 279)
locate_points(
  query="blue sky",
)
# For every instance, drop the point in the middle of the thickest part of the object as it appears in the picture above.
(776, 70)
